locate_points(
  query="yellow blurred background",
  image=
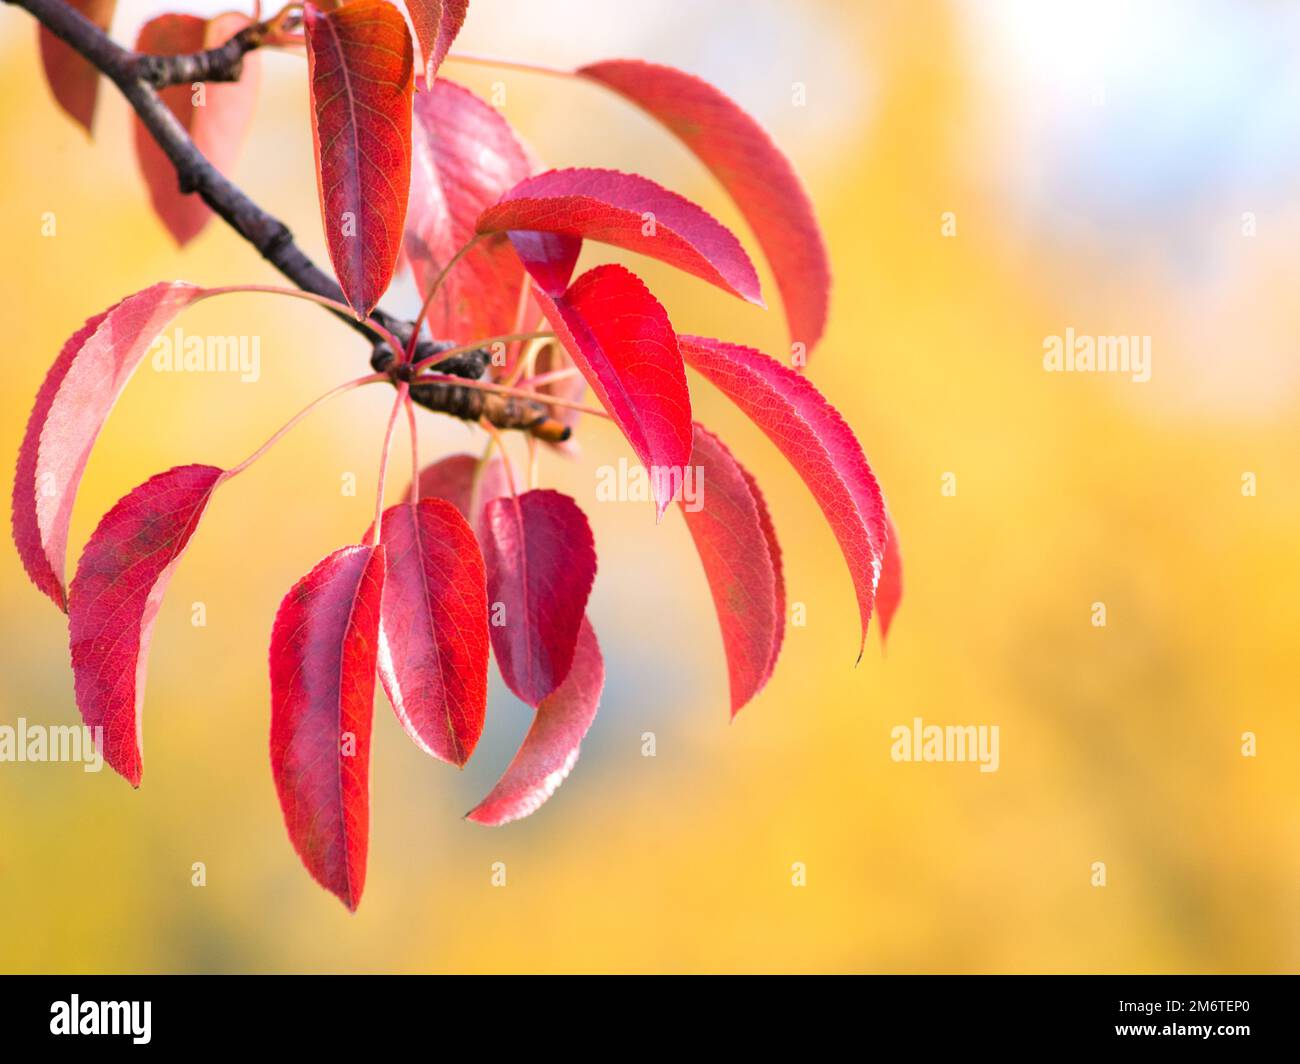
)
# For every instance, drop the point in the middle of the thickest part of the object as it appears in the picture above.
(1099, 164)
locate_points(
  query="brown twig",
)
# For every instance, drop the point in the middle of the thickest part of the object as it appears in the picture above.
(138, 78)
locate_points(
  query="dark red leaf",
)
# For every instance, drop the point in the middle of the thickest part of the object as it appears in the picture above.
(733, 535)
(778, 570)
(889, 593)
(114, 600)
(550, 749)
(459, 479)
(450, 478)
(324, 649)
(619, 336)
(464, 157)
(626, 210)
(218, 127)
(436, 24)
(74, 400)
(541, 562)
(821, 447)
(433, 648)
(73, 80)
(753, 170)
(360, 66)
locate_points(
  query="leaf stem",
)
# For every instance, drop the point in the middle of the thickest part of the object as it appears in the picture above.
(310, 297)
(415, 451)
(509, 64)
(433, 291)
(403, 390)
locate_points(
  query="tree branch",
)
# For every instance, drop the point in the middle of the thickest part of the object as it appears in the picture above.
(138, 77)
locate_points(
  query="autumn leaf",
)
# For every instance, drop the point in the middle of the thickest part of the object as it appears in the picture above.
(324, 649)
(817, 442)
(541, 562)
(114, 600)
(217, 124)
(73, 80)
(360, 66)
(433, 648)
(71, 407)
(548, 217)
(889, 593)
(550, 749)
(753, 170)
(464, 157)
(734, 537)
(436, 24)
(620, 338)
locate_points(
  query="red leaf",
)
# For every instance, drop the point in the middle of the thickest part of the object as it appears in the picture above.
(323, 655)
(433, 648)
(889, 593)
(75, 398)
(541, 562)
(436, 24)
(73, 80)
(778, 570)
(114, 600)
(450, 478)
(218, 127)
(453, 478)
(550, 749)
(625, 210)
(822, 448)
(619, 336)
(733, 535)
(753, 170)
(464, 157)
(360, 66)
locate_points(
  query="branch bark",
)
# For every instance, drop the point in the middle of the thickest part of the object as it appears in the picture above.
(138, 77)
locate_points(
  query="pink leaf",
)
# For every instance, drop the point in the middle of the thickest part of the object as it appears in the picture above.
(114, 600)
(619, 336)
(436, 24)
(778, 570)
(889, 593)
(433, 649)
(464, 157)
(73, 79)
(541, 562)
(217, 127)
(822, 448)
(550, 749)
(75, 399)
(324, 648)
(626, 210)
(753, 170)
(734, 538)
(360, 66)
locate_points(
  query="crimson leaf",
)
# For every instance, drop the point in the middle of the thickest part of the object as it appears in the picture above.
(541, 562)
(753, 170)
(324, 647)
(433, 648)
(621, 339)
(360, 65)
(737, 546)
(550, 749)
(114, 600)
(821, 447)
(71, 406)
